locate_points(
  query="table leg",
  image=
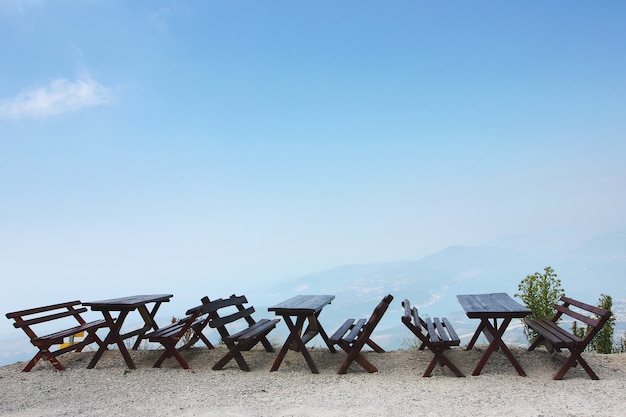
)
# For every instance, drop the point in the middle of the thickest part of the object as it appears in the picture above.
(113, 337)
(294, 338)
(496, 343)
(150, 324)
(477, 333)
(322, 332)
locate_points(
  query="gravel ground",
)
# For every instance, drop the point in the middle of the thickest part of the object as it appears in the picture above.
(397, 389)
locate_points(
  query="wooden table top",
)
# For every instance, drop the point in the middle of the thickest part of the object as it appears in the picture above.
(130, 302)
(492, 305)
(302, 304)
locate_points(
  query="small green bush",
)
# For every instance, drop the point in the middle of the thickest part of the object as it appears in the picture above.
(540, 292)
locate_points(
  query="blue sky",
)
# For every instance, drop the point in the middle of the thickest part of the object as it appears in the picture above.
(145, 145)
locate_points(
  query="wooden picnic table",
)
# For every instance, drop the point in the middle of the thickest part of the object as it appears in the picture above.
(124, 306)
(302, 308)
(490, 308)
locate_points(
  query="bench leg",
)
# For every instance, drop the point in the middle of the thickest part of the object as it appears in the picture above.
(43, 353)
(374, 346)
(441, 359)
(354, 355)
(574, 358)
(234, 352)
(170, 350)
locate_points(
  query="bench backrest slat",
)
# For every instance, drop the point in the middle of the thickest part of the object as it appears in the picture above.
(592, 309)
(377, 315)
(222, 321)
(42, 319)
(43, 309)
(592, 321)
(212, 306)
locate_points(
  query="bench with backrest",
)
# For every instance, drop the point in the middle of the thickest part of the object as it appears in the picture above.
(353, 335)
(191, 326)
(70, 311)
(436, 334)
(238, 329)
(555, 338)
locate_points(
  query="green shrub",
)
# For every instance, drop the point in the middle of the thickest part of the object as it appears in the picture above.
(540, 292)
(603, 340)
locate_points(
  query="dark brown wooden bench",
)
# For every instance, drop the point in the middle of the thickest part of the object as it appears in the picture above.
(230, 313)
(438, 335)
(191, 326)
(555, 338)
(26, 319)
(353, 335)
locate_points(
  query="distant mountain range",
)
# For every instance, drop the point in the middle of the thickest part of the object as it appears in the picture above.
(596, 267)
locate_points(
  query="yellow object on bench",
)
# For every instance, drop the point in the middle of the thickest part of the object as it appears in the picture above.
(71, 340)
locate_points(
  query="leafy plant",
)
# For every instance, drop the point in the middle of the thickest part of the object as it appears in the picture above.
(540, 292)
(603, 340)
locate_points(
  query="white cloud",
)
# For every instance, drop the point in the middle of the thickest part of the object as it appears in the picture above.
(60, 96)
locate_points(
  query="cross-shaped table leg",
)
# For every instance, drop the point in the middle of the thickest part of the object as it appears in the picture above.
(494, 333)
(295, 340)
(113, 337)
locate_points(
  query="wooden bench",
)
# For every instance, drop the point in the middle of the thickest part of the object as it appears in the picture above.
(231, 313)
(169, 336)
(438, 336)
(353, 335)
(26, 319)
(555, 338)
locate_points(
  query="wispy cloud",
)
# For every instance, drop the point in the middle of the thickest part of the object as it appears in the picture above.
(60, 96)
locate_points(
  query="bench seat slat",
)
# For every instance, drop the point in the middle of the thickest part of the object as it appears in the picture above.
(454, 338)
(253, 331)
(434, 336)
(341, 331)
(558, 336)
(355, 331)
(69, 332)
(166, 332)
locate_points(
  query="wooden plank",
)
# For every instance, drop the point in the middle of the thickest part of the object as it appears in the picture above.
(42, 309)
(50, 317)
(354, 332)
(591, 308)
(490, 305)
(302, 304)
(581, 317)
(434, 336)
(77, 329)
(125, 303)
(221, 321)
(440, 329)
(450, 330)
(341, 331)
